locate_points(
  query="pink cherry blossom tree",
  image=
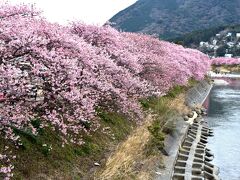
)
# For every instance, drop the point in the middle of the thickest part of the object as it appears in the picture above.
(225, 61)
(62, 74)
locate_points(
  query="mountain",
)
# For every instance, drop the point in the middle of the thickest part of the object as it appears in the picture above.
(173, 18)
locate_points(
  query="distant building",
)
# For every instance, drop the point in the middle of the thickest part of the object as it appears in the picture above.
(204, 44)
(229, 34)
(211, 46)
(214, 42)
(230, 44)
(229, 55)
(237, 35)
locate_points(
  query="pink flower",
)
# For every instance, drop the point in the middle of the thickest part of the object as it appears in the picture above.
(59, 75)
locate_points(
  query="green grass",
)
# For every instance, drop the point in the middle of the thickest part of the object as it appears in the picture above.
(44, 154)
(162, 112)
(35, 156)
(164, 117)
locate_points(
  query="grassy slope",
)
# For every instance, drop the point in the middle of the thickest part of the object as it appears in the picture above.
(71, 162)
(140, 155)
(34, 161)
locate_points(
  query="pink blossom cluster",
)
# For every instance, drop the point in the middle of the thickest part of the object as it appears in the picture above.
(6, 167)
(162, 64)
(62, 74)
(225, 61)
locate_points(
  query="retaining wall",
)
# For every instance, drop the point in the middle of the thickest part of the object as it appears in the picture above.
(195, 96)
(192, 162)
(198, 94)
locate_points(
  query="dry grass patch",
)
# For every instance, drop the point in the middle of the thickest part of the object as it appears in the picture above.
(179, 105)
(132, 159)
(125, 162)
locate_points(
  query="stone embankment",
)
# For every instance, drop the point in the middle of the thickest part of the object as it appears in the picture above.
(197, 95)
(186, 131)
(192, 162)
(193, 158)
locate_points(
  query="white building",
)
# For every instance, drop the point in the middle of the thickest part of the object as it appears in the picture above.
(230, 44)
(214, 42)
(237, 35)
(228, 55)
(229, 34)
(204, 44)
(211, 46)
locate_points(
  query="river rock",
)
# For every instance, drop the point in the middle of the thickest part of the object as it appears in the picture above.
(210, 134)
(209, 154)
(203, 109)
(158, 173)
(210, 130)
(198, 111)
(208, 149)
(208, 159)
(190, 115)
(96, 164)
(196, 120)
(185, 118)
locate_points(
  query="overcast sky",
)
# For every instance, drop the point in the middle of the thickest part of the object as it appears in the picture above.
(88, 11)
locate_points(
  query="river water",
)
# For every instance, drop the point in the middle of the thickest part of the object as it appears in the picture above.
(224, 117)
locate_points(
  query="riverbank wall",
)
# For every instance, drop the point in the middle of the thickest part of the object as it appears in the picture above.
(198, 94)
(173, 143)
(193, 157)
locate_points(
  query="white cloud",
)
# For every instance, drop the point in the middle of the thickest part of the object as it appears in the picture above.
(89, 11)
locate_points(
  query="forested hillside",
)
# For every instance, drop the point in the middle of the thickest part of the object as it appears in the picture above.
(194, 38)
(173, 18)
(219, 42)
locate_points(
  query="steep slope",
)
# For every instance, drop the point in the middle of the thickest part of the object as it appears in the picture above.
(172, 18)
